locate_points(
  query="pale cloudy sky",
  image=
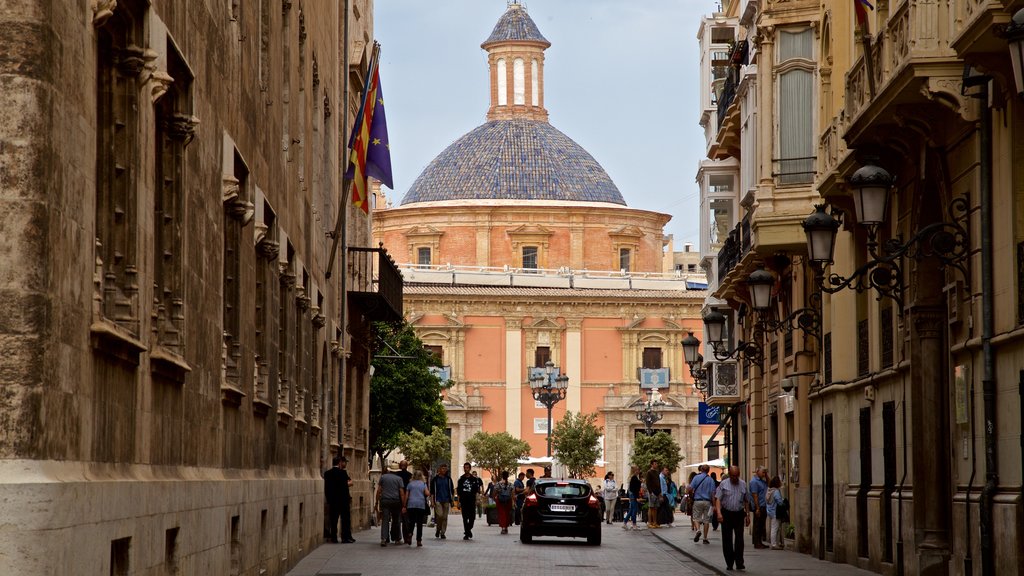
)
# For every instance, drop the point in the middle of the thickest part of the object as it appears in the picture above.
(621, 78)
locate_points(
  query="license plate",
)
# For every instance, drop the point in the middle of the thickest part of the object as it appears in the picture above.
(563, 508)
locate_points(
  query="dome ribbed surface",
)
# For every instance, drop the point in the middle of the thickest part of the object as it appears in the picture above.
(515, 24)
(515, 159)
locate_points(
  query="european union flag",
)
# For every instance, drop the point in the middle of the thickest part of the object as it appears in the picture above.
(378, 154)
(370, 151)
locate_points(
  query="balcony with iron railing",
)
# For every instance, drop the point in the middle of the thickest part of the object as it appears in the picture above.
(727, 137)
(735, 247)
(375, 284)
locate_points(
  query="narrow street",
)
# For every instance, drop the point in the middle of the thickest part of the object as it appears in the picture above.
(621, 552)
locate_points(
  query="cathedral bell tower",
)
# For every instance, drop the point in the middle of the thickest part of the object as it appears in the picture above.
(515, 55)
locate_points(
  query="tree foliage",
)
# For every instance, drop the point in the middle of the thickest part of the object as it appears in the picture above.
(661, 447)
(496, 452)
(422, 450)
(404, 395)
(576, 443)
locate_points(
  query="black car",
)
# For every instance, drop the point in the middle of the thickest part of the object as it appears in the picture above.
(566, 508)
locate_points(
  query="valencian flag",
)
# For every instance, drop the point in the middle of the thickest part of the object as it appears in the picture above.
(860, 7)
(370, 151)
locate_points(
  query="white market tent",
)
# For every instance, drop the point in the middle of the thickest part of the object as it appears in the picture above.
(716, 463)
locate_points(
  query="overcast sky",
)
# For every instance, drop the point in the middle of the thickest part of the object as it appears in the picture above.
(621, 78)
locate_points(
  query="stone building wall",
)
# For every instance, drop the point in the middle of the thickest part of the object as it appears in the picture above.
(170, 342)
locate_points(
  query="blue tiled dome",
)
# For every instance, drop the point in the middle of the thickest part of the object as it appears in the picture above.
(515, 159)
(515, 24)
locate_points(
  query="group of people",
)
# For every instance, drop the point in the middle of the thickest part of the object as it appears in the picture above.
(405, 498)
(732, 501)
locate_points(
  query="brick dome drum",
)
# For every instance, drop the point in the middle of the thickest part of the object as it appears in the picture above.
(514, 159)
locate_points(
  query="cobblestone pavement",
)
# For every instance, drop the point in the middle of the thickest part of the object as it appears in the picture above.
(621, 552)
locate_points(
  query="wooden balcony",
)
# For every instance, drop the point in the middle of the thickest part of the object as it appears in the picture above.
(375, 284)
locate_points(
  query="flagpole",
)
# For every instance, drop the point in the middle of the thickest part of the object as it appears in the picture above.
(869, 65)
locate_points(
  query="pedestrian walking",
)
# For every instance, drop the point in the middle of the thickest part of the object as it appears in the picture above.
(611, 493)
(668, 502)
(635, 487)
(776, 511)
(416, 506)
(758, 499)
(481, 497)
(390, 498)
(702, 490)
(442, 492)
(406, 476)
(504, 493)
(652, 484)
(339, 500)
(732, 506)
(714, 517)
(520, 489)
(469, 487)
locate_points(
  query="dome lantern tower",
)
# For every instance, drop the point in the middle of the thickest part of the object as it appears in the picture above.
(515, 51)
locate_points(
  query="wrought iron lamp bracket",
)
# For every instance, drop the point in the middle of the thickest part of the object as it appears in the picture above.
(947, 241)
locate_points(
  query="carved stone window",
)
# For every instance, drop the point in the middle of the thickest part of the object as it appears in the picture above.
(120, 63)
(175, 128)
(267, 250)
(626, 245)
(530, 236)
(424, 243)
(285, 361)
(238, 212)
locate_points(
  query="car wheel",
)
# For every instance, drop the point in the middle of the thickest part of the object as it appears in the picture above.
(595, 538)
(524, 536)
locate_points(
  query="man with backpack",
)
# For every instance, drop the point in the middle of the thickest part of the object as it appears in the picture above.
(504, 492)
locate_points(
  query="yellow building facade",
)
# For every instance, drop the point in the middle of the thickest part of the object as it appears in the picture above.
(906, 404)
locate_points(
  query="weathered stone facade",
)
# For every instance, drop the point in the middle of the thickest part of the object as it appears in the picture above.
(171, 345)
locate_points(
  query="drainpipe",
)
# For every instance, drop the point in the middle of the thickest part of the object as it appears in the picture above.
(988, 381)
(900, 563)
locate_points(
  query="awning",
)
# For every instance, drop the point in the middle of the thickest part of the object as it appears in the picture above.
(729, 414)
(716, 463)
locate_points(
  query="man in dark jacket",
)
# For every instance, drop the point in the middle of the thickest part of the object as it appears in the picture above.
(336, 490)
(468, 487)
(652, 482)
(442, 492)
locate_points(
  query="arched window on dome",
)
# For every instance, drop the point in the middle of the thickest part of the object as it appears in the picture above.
(535, 81)
(502, 83)
(518, 82)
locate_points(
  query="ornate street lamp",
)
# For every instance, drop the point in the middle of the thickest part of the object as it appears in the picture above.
(947, 241)
(714, 325)
(549, 389)
(694, 359)
(1014, 34)
(649, 411)
(761, 282)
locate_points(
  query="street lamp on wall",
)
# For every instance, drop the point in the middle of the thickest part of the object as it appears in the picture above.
(947, 241)
(714, 325)
(760, 284)
(1014, 34)
(549, 389)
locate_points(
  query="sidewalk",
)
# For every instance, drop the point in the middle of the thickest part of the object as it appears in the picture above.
(767, 562)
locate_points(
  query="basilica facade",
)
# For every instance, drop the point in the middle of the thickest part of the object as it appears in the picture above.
(518, 249)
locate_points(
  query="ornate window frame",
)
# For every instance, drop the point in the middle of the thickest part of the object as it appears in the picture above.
(530, 235)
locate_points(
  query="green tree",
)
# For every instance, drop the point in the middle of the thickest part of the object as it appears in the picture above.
(422, 450)
(404, 395)
(576, 443)
(661, 447)
(496, 452)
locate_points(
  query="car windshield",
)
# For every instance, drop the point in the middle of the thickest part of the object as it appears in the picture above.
(563, 490)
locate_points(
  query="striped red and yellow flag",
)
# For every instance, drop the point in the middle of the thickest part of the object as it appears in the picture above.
(370, 153)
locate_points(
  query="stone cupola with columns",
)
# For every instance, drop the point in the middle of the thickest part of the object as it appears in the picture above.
(515, 55)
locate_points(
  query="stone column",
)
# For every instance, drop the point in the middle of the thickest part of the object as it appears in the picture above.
(573, 362)
(514, 376)
(930, 432)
